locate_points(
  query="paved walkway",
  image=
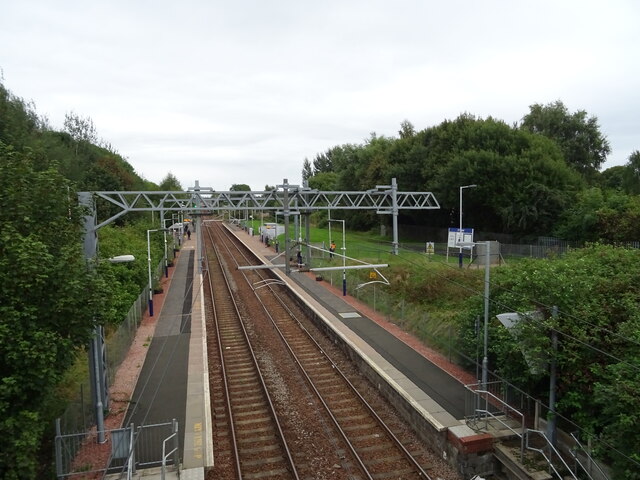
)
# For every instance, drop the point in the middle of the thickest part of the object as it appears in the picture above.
(173, 382)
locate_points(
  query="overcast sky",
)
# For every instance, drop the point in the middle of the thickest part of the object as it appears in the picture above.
(242, 91)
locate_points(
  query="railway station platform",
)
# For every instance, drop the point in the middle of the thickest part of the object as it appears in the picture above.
(173, 382)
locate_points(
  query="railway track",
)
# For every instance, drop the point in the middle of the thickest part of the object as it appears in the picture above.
(329, 428)
(252, 423)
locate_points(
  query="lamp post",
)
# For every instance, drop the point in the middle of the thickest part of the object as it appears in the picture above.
(487, 273)
(344, 254)
(95, 353)
(460, 229)
(149, 267)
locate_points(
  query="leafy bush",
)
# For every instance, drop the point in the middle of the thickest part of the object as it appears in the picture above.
(598, 296)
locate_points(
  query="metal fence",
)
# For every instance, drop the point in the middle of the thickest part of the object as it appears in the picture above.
(126, 449)
(507, 250)
(499, 405)
(410, 316)
(79, 413)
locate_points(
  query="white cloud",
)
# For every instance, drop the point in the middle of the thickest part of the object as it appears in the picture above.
(242, 92)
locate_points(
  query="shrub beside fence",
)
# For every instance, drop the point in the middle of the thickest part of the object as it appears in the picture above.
(79, 414)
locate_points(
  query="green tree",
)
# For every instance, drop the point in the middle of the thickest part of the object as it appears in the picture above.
(170, 183)
(631, 175)
(307, 171)
(46, 303)
(407, 130)
(599, 215)
(81, 129)
(18, 119)
(324, 181)
(523, 183)
(584, 146)
(324, 161)
(240, 187)
(613, 177)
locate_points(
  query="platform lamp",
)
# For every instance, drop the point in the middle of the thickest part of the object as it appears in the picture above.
(97, 364)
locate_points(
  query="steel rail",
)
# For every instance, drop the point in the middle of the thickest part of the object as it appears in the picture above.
(274, 415)
(336, 424)
(232, 429)
(392, 437)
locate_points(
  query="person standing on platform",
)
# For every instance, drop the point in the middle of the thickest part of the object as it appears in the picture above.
(332, 248)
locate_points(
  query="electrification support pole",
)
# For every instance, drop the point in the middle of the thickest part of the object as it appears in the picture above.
(485, 359)
(307, 234)
(551, 420)
(164, 237)
(97, 346)
(149, 271)
(394, 211)
(344, 260)
(198, 228)
(285, 209)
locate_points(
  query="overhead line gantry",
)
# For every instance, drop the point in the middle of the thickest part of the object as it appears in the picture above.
(286, 200)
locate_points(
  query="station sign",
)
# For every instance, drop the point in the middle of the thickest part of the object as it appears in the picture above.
(457, 236)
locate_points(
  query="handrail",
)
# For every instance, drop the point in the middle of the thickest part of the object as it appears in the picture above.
(130, 460)
(591, 460)
(505, 405)
(554, 449)
(164, 456)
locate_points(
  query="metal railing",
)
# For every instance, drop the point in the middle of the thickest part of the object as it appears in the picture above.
(553, 457)
(174, 451)
(580, 450)
(495, 408)
(125, 450)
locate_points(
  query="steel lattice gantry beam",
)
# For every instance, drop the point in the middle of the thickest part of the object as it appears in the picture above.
(289, 199)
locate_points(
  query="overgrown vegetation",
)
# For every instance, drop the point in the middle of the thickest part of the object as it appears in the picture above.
(598, 328)
(49, 297)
